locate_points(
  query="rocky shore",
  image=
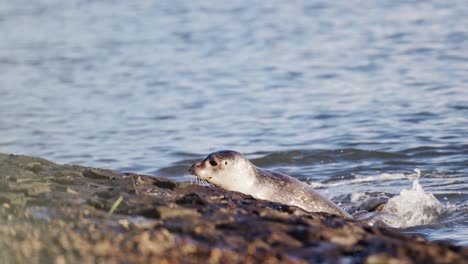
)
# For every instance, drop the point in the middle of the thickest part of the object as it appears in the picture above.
(52, 213)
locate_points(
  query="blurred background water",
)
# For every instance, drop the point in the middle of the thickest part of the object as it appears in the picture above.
(328, 92)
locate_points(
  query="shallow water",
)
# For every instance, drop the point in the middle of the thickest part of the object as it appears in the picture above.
(350, 96)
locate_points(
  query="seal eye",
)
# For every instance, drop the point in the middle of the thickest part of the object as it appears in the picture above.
(213, 162)
(225, 163)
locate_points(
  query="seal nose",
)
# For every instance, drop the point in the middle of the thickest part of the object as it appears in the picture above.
(191, 169)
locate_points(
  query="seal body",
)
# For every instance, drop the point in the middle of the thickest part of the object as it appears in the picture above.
(232, 171)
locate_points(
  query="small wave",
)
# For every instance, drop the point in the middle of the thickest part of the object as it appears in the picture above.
(320, 156)
(360, 179)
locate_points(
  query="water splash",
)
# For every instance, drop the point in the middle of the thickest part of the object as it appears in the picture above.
(412, 207)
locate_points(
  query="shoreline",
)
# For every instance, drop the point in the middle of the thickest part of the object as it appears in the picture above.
(51, 213)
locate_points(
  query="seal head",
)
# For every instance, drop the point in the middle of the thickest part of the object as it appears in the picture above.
(232, 171)
(226, 169)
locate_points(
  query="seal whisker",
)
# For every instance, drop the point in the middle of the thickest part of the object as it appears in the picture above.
(204, 182)
(195, 179)
(190, 177)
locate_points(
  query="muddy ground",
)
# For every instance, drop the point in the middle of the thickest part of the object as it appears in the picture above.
(52, 213)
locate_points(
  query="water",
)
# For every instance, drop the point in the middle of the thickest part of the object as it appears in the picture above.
(349, 96)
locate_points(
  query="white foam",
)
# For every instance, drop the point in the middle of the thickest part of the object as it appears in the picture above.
(356, 197)
(317, 185)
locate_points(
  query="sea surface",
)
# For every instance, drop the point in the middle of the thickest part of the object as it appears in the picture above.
(349, 96)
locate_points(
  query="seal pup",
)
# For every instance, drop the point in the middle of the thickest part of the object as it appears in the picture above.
(232, 171)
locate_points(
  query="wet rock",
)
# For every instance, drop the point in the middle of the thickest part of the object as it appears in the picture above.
(191, 198)
(165, 184)
(166, 212)
(100, 174)
(53, 213)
